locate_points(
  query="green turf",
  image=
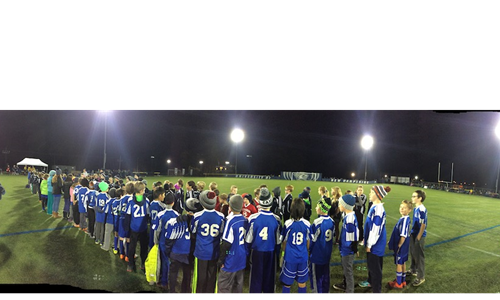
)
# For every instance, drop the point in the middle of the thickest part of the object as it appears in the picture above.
(462, 253)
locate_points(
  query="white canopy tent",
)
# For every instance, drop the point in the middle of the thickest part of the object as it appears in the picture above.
(32, 162)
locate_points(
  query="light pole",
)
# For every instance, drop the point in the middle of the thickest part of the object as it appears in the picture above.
(497, 132)
(237, 135)
(366, 144)
(105, 113)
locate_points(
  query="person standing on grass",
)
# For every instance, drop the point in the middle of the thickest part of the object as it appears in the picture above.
(323, 235)
(400, 244)
(50, 196)
(115, 206)
(91, 203)
(44, 191)
(375, 238)
(417, 240)
(102, 199)
(359, 210)
(108, 219)
(305, 195)
(208, 226)
(136, 222)
(348, 242)
(287, 202)
(296, 236)
(68, 182)
(334, 212)
(155, 208)
(123, 232)
(57, 190)
(82, 203)
(233, 251)
(263, 237)
(248, 208)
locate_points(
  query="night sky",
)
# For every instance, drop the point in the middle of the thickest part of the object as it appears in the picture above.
(407, 143)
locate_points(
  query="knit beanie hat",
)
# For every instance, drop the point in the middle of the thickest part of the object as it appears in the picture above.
(236, 203)
(265, 199)
(347, 201)
(277, 191)
(103, 186)
(380, 191)
(208, 199)
(193, 205)
(52, 173)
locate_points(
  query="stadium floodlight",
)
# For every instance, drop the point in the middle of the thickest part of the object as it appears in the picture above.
(366, 144)
(237, 135)
(201, 162)
(227, 163)
(168, 161)
(105, 113)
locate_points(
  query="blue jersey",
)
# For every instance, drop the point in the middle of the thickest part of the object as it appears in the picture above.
(323, 232)
(100, 214)
(419, 218)
(139, 215)
(161, 224)
(234, 234)
(296, 234)
(375, 234)
(92, 198)
(75, 191)
(115, 207)
(208, 226)
(264, 231)
(401, 229)
(122, 212)
(82, 199)
(181, 234)
(348, 234)
(155, 208)
(109, 211)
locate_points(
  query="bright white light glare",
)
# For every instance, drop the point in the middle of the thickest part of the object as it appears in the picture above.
(367, 142)
(201, 162)
(227, 163)
(352, 174)
(237, 135)
(168, 161)
(497, 130)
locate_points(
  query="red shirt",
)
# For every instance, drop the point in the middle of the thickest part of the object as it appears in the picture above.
(248, 209)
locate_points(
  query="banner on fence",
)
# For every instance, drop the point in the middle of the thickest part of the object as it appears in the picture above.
(301, 176)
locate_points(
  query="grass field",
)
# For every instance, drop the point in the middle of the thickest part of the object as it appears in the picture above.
(42, 254)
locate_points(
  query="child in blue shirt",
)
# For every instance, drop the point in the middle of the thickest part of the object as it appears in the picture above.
(296, 236)
(417, 241)
(156, 207)
(109, 219)
(323, 236)
(91, 203)
(208, 226)
(123, 232)
(263, 236)
(375, 238)
(100, 215)
(82, 203)
(400, 244)
(136, 222)
(233, 251)
(115, 207)
(348, 242)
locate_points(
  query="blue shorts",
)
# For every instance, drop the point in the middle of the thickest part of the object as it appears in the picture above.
(122, 232)
(400, 258)
(291, 272)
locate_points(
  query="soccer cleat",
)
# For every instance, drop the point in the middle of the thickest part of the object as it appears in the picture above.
(115, 251)
(126, 258)
(339, 286)
(394, 285)
(96, 242)
(411, 273)
(364, 284)
(130, 269)
(122, 256)
(418, 282)
(76, 225)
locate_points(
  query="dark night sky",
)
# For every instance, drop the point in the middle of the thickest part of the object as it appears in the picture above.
(407, 143)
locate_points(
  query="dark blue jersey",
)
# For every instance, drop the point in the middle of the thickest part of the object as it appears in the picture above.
(323, 233)
(109, 211)
(139, 214)
(296, 234)
(115, 207)
(208, 226)
(348, 234)
(419, 218)
(234, 233)
(155, 208)
(101, 200)
(401, 229)
(82, 199)
(160, 226)
(179, 232)
(92, 198)
(375, 233)
(264, 231)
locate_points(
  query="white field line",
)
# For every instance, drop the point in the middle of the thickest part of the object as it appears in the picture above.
(490, 253)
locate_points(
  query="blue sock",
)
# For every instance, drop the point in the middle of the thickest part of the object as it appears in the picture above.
(404, 276)
(303, 289)
(286, 290)
(399, 277)
(116, 243)
(122, 251)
